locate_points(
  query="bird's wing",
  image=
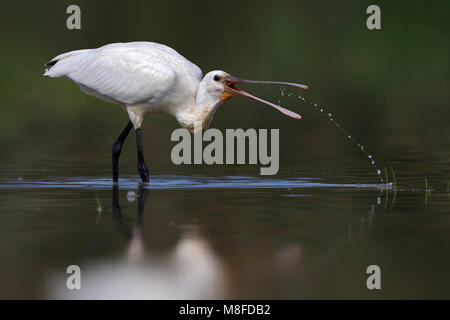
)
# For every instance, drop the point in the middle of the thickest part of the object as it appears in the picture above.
(125, 73)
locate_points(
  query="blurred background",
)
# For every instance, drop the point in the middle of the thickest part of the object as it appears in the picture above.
(388, 88)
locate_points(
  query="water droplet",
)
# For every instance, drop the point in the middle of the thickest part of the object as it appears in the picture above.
(131, 196)
(361, 147)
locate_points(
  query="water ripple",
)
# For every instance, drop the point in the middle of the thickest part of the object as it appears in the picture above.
(166, 182)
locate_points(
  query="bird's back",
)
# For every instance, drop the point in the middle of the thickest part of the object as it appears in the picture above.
(130, 73)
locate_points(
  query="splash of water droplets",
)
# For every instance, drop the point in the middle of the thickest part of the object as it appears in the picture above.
(330, 117)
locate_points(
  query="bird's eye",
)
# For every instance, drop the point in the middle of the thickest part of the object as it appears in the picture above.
(216, 77)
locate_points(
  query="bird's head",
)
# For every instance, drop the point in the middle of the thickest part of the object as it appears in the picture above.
(218, 86)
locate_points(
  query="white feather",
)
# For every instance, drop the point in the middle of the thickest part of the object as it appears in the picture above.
(130, 73)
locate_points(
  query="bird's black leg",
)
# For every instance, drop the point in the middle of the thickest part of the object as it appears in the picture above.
(117, 149)
(142, 168)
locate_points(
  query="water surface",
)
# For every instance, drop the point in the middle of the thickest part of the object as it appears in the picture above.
(221, 237)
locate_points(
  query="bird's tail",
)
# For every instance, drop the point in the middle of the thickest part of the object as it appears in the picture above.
(51, 71)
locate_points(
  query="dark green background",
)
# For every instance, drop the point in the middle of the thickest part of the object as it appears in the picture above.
(388, 88)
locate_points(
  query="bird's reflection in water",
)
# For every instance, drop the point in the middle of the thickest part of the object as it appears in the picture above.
(160, 261)
(189, 271)
(135, 247)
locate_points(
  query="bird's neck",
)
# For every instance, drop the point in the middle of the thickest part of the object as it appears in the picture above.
(200, 114)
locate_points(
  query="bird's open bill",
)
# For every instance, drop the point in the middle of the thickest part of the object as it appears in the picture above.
(232, 91)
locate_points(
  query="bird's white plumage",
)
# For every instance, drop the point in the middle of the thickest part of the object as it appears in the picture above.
(151, 75)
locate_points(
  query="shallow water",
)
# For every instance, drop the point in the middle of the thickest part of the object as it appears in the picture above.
(222, 237)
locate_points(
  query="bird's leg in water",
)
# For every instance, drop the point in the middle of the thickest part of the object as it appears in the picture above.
(117, 149)
(142, 168)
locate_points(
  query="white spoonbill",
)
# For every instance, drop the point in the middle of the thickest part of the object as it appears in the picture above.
(150, 77)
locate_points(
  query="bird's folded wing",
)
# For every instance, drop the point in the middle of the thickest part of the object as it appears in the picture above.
(125, 76)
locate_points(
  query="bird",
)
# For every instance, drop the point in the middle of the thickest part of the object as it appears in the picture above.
(146, 77)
